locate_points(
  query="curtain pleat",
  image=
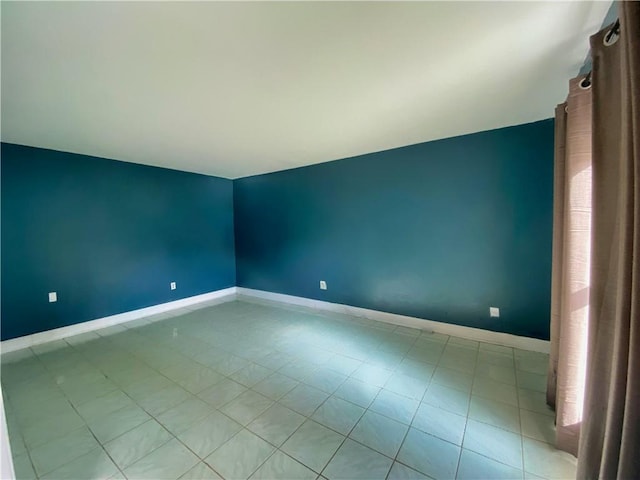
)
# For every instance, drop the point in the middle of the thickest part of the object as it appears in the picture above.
(575, 270)
(610, 438)
(557, 252)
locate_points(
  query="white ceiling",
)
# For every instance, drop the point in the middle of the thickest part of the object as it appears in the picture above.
(236, 89)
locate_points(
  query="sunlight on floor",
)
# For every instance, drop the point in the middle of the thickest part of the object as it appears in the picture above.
(241, 390)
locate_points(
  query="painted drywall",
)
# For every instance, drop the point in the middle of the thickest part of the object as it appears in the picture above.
(264, 86)
(441, 230)
(107, 236)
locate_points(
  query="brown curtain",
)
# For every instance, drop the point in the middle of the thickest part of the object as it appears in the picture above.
(558, 246)
(610, 437)
(570, 274)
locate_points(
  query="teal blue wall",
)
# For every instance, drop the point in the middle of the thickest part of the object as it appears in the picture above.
(440, 230)
(107, 236)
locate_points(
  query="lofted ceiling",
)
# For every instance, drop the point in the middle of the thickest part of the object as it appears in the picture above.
(241, 88)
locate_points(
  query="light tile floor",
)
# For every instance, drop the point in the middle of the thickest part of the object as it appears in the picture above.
(244, 390)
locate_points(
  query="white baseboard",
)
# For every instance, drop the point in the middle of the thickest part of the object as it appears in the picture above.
(210, 298)
(497, 338)
(231, 293)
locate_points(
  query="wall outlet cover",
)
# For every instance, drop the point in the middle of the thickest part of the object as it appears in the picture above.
(323, 285)
(53, 297)
(173, 285)
(494, 311)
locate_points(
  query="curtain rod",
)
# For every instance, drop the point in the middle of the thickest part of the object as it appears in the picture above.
(614, 30)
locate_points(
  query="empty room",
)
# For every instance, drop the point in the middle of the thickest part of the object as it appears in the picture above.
(320, 240)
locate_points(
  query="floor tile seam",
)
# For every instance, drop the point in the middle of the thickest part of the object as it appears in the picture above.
(173, 382)
(271, 367)
(440, 438)
(354, 403)
(200, 459)
(523, 436)
(96, 419)
(497, 426)
(494, 459)
(483, 361)
(529, 437)
(279, 450)
(15, 416)
(404, 439)
(28, 378)
(366, 362)
(519, 419)
(275, 449)
(300, 426)
(487, 377)
(371, 448)
(436, 363)
(45, 369)
(347, 437)
(271, 398)
(133, 401)
(28, 454)
(455, 387)
(466, 423)
(330, 393)
(98, 442)
(395, 459)
(419, 400)
(482, 397)
(265, 461)
(98, 447)
(294, 378)
(120, 470)
(83, 389)
(530, 389)
(333, 455)
(122, 386)
(479, 395)
(462, 345)
(103, 445)
(410, 468)
(464, 433)
(38, 445)
(227, 377)
(106, 375)
(528, 371)
(174, 436)
(333, 429)
(522, 444)
(286, 439)
(137, 403)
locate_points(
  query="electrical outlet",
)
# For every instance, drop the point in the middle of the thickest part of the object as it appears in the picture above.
(494, 312)
(53, 297)
(173, 285)
(323, 285)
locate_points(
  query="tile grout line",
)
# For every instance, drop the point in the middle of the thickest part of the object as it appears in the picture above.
(466, 423)
(121, 470)
(346, 437)
(152, 416)
(255, 361)
(404, 438)
(519, 417)
(27, 449)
